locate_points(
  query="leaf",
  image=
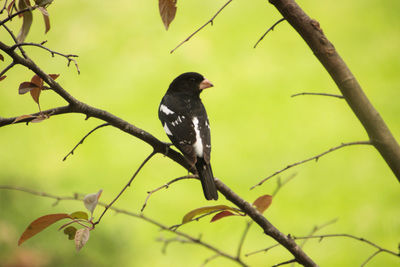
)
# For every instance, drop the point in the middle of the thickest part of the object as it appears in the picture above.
(1, 57)
(35, 93)
(40, 224)
(27, 19)
(190, 215)
(70, 231)
(90, 201)
(46, 18)
(43, 3)
(37, 80)
(81, 237)
(79, 215)
(54, 76)
(3, 77)
(221, 215)
(167, 11)
(40, 118)
(10, 6)
(23, 117)
(25, 87)
(262, 203)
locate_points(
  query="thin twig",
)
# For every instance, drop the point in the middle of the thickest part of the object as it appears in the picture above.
(280, 184)
(7, 68)
(244, 235)
(4, 7)
(210, 21)
(312, 158)
(322, 94)
(262, 250)
(69, 57)
(284, 263)
(83, 139)
(140, 216)
(31, 8)
(316, 229)
(168, 241)
(126, 186)
(370, 257)
(150, 193)
(270, 29)
(213, 257)
(15, 41)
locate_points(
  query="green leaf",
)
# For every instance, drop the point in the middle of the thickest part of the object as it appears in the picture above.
(79, 215)
(190, 215)
(70, 231)
(40, 224)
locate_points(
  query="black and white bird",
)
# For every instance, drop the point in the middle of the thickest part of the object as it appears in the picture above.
(185, 121)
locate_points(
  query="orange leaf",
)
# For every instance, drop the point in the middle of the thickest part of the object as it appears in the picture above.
(25, 87)
(262, 203)
(37, 80)
(23, 117)
(54, 76)
(221, 215)
(3, 77)
(190, 215)
(40, 224)
(167, 11)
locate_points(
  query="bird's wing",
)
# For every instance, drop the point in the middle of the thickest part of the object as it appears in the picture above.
(179, 127)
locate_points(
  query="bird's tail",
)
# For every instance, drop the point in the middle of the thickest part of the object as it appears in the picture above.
(207, 179)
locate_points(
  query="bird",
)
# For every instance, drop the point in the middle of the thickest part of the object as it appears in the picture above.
(186, 123)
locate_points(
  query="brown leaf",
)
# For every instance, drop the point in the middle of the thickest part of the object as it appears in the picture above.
(45, 17)
(27, 19)
(40, 224)
(54, 76)
(167, 11)
(35, 93)
(81, 237)
(1, 57)
(25, 87)
(23, 117)
(3, 77)
(262, 203)
(37, 80)
(40, 118)
(190, 215)
(221, 215)
(10, 6)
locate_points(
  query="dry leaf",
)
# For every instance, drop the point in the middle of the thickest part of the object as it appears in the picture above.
(167, 11)
(91, 200)
(23, 117)
(10, 6)
(40, 118)
(262, 203)
(27, 19)
(221, 215)
(35, 93)
(190, 215)
(81, 237)
(40, 224)
(46, 18)
(25, 87)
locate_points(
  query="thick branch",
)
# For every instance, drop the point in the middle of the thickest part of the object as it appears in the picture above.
(378, 132)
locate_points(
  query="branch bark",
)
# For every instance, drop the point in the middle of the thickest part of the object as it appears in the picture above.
(377, 130)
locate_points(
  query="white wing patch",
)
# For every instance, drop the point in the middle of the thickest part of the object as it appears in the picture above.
(198, 145)
(167, 130)
(165, 109)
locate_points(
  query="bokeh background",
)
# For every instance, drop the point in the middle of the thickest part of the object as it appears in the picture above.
(257, 128)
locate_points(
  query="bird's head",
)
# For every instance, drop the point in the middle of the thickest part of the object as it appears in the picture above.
(191, 83)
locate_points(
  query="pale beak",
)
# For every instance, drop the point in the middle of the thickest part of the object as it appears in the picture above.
(205, 84)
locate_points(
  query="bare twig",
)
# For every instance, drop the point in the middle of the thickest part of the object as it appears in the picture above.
(213, 257)
(126, 186)
(262, 250)
(15, 41)
(284, 263)
(4, 7)
(31, 8)
(7, 68)
(210, 21)
(150, 193)
(312, 158)
(371, 257)
(244, 235)
(280, 184)
(69, 57)
(317, 228)
(77, 197)
(167, 241)
(83, 139)
(321, 237)
(270, 29)
(322, 94)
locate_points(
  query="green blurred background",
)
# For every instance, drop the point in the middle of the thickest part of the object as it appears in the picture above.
(257, 128)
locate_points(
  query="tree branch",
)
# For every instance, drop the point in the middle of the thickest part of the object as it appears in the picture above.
(377, 130)
(323, 94)
(309, 159)
(269, 29)
(83, 139)
(210, 21)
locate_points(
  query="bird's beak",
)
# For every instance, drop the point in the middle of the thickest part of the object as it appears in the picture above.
(205, 84)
